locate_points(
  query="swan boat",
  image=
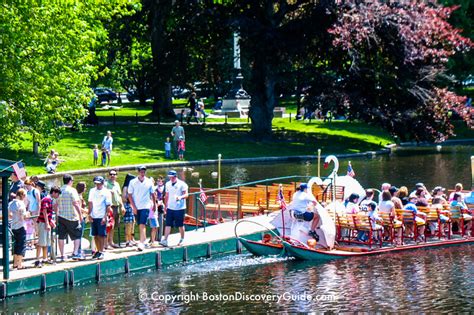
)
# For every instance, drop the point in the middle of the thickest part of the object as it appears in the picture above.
(277, 243)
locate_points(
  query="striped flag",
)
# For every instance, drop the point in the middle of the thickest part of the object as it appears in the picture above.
(350, 170)
(202, 196)
(19, 169)
(281, 198)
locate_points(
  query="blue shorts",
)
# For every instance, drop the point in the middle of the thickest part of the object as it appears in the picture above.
(97, 228)
(153, 222)
(142, 216)
(175, 218)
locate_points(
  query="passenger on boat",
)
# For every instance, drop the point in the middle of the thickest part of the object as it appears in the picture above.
(351, 204)
(419, 216)
(458, 202)
(421, 198)
(403, 195)
(457, 190)
(369, 196)
(420, 186)
(386, 205)
(302, 200)
(397, 202)
(437, 204)
(375, 219)
(440, 192)
(384, 187)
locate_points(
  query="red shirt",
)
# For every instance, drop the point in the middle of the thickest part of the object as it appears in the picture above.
(46, 204)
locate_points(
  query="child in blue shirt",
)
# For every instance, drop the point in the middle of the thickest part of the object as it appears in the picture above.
(167, 148)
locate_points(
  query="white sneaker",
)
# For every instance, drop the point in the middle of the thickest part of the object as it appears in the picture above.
(164, 243)
(140, 247)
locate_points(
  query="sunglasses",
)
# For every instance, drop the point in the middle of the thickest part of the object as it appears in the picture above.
(113, 174)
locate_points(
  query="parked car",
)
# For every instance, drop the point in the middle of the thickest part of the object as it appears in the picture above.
(105, 95)
(179, 92)
(133, 95)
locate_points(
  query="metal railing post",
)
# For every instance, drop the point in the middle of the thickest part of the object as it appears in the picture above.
(6, 236)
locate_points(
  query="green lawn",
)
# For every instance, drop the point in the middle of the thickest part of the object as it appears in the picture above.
(135, 144)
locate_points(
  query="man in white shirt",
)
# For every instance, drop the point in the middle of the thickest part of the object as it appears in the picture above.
(176, 193)
(100, 201)
(142, 199)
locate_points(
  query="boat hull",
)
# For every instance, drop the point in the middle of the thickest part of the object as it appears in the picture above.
(323, 255)
(261, 249)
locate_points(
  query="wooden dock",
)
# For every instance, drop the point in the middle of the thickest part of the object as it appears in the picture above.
(218, 239)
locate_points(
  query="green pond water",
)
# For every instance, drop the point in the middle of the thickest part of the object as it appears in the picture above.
(438, 280)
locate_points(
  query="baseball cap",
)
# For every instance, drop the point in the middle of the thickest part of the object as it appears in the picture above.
(181, 137)
(303, 186)
(142, 167)
(98, 180)
(420, 185)
(172, 173)
(41, 184)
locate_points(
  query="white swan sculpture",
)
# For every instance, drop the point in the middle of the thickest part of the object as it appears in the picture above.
(350, 184)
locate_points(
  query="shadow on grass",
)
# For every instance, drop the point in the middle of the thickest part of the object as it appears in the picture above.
(134, 144)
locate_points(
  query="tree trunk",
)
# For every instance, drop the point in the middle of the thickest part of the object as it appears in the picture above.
(161, 86)
(263, 100)
(36, 148)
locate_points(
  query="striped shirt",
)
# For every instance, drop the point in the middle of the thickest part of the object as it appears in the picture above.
(66, 209)
(46, 204)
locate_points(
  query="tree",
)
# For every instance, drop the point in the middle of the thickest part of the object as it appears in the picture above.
(276, 36)
(47, 60)
(395, 56)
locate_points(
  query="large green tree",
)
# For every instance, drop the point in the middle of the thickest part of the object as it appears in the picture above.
(47, 59)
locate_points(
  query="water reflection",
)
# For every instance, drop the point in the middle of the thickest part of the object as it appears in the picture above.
(424, 280)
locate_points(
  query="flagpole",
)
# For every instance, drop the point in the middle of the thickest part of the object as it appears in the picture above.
(282, 211)
(319, 163)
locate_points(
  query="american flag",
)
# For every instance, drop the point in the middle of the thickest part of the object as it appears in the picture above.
(19, 169)
(202, 196)
(281, 198)
(350, 170)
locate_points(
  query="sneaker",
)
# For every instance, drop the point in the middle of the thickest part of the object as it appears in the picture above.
(314, 235)
(76, 257)
(140, 247)
(164, 243)
(100, 256)
(62, 259)
(95, 255)
(181, 242)
(38, 264)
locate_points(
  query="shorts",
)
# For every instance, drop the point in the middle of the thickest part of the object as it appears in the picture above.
(19, 236)
(142, 216)
(443, 218)
(97, 228)
(181, 152)
(175, 218)
(305, 216)
(71, 228)
(44, 236)
(128, 217)
(153, 222)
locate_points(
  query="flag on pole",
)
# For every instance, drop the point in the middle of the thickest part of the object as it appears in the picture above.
(281, 198)
(19, 169)
(350, 170)
(202, 195)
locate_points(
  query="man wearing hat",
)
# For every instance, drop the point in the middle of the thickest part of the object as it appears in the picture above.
(176, 132)
(175, 201)
(100, 200)
(142, 199)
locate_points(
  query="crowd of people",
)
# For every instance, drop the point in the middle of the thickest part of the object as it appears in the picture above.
(35, 212)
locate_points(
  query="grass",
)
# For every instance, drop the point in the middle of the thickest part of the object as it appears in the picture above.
(135, 144)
